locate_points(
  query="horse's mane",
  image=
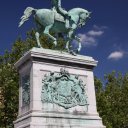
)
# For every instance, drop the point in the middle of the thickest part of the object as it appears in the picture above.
(74, 10)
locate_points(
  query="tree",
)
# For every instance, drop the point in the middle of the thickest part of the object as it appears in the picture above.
(112, 100)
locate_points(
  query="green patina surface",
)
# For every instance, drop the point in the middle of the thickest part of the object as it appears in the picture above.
(58, 20)
(64, 89)
(25, 90)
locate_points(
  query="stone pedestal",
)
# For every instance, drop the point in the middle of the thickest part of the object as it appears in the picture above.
(33, 68)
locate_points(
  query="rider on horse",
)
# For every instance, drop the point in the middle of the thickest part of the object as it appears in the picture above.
(56, 4)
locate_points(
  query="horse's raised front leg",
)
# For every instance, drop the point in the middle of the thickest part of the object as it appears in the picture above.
(67, 46)
(79, 41)
(46, 32)
(37, 39)
(69, 39)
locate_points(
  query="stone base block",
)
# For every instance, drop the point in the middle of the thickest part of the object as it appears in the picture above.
(58, 120)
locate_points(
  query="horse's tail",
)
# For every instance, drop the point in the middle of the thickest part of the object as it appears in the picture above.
(27, 13)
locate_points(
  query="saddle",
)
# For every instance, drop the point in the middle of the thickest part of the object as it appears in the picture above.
(58, 17)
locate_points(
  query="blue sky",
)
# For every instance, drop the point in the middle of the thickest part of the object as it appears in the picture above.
(105, 36)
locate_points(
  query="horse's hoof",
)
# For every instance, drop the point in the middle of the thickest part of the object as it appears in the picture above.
(67, 50)
(72, 53)
(55, 43)
(39, 47)
(77, 51)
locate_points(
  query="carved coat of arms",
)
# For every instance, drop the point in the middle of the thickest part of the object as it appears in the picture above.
(63, 89)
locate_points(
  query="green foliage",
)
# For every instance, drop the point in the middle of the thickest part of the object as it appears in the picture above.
(112, 100)
(9, 94)
(9, 78)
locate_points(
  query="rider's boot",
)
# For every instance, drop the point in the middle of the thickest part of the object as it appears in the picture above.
(67, 24)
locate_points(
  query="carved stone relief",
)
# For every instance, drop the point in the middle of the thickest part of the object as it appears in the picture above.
(25, 80)
(64, 89)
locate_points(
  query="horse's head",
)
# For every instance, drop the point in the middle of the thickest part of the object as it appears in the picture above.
(83, 17)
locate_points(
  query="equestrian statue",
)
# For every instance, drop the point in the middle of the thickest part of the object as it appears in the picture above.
(57, 20)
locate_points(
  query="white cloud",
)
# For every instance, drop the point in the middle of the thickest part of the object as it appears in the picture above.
(87, 40)
(91, 37)
(116, 55)
(95, 33)
(99, 27)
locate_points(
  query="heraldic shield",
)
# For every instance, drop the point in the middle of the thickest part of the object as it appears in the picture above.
(64, 89)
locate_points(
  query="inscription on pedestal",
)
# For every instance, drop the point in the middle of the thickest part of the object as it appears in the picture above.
(64, 89)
